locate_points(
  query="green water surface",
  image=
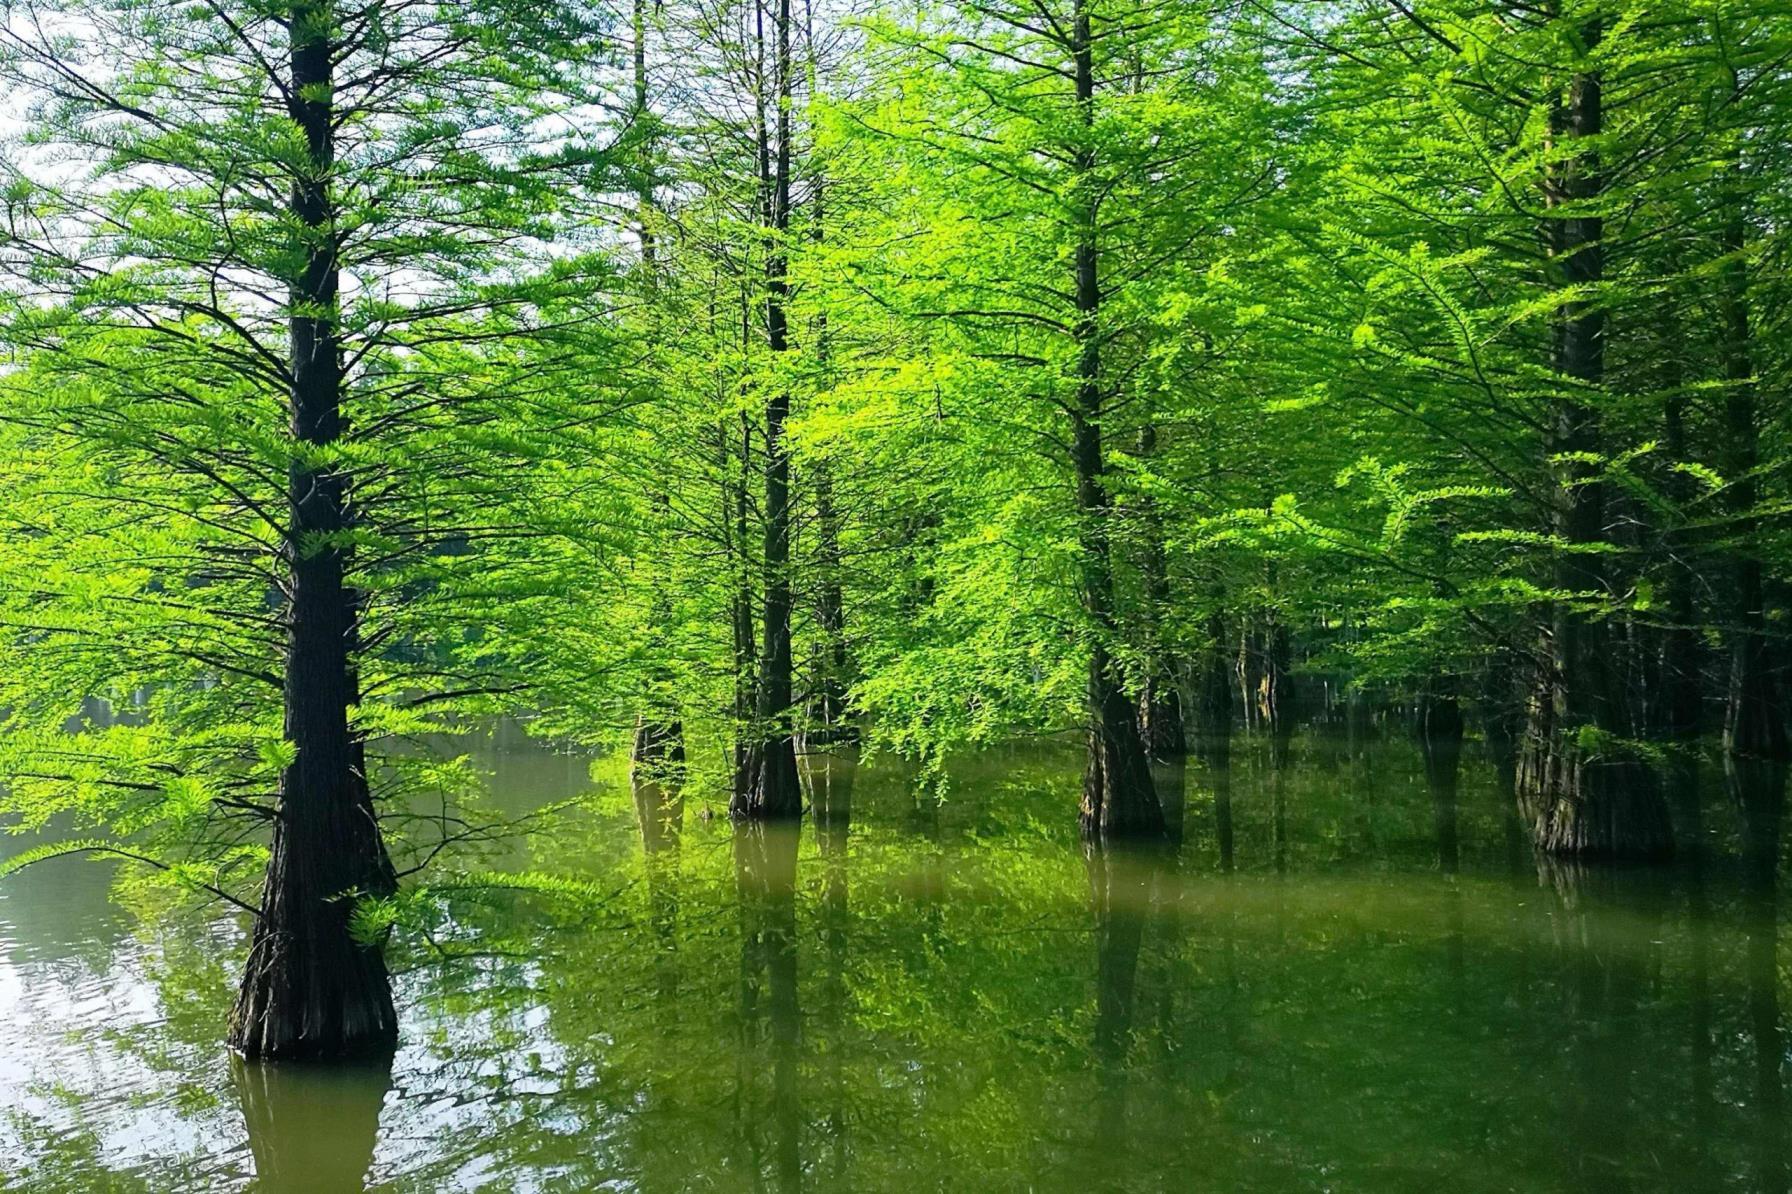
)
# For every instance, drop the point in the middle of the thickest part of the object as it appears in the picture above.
(1341, 977)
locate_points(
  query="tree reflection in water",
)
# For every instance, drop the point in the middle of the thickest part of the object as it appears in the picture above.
(910, 990)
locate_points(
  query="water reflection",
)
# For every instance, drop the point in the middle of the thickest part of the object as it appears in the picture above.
(1759, 789)
(312, 1128)
(1334, 981)
(830, 776)
(770, 1017)
(1122, 884)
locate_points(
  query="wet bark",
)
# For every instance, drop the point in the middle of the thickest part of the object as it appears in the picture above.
(1119, 800)
(1582, 792)
(310, 989)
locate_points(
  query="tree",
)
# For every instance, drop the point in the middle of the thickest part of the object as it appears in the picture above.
(1080, 142)
(263, 289)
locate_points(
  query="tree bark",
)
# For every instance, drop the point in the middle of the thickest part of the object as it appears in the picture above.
(746, 655)
(777, 789)
(1160, 701)
(1213, 697)
(310, 989)
(1753, 723)
(1581, 791)
(1118, 797)
(1677, 705)
(836, 664)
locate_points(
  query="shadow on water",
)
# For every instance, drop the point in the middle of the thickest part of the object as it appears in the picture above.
(312, 1128)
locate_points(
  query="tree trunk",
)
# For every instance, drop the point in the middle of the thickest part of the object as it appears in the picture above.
(658, 754)
(1677, 705)
(1440, 743)
(1753, 722)
(1160, 701)
(836, 667)
(1582, 792)
(746, 752)
(1118, 797)
(1277, 693)
(310, 989)
(1213, 696)
(777, 790)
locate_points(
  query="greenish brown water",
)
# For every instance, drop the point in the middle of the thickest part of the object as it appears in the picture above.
(1352, 982)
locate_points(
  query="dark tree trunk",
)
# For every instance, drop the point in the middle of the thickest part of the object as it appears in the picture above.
(746, 754)
(1582, 792)
(659, 809)
(642, 114)
(836, 669)
(836, 666)
(777, 791)
(1213, 696)
(1277, 692)
(1440, 744)
(1753, 722)
(658, 755)
(310, 989)
(1118, 798)
(1677, 705)
(1220, 775)
(1160, 701)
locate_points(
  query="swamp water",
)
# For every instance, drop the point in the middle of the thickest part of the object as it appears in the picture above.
(1341, 978)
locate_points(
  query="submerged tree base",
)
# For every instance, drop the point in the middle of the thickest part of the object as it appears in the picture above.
(312, 989)
(1591, 805)
(1119, 797)
(776, 791)
(658, 753)
(300, 1002)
